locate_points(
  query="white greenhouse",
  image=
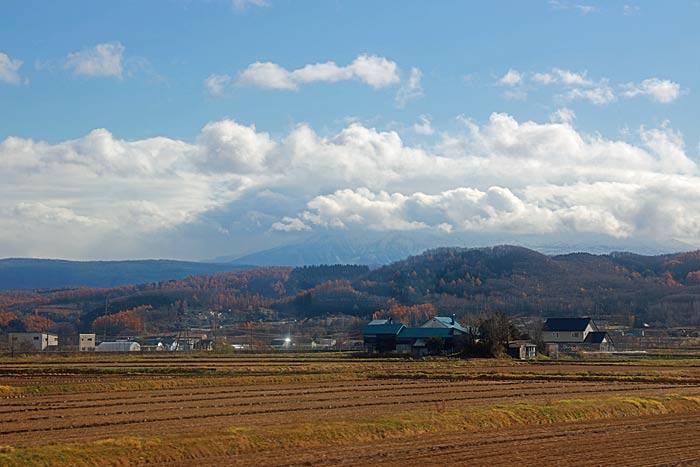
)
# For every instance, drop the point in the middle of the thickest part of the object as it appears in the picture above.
(118, 346)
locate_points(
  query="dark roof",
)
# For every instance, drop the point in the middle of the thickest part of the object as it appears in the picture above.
(567, 324)
(425, 333)
(596, 337)
(376, 329)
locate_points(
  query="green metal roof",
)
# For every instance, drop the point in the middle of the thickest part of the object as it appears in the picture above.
(376, 329)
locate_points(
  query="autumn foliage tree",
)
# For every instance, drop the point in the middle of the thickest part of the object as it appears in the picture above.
(124, 321)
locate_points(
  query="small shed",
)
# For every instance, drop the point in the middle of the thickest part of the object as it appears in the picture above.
(522, 350)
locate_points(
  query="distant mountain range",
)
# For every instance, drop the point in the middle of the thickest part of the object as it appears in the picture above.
(378, 249)
(23, 273)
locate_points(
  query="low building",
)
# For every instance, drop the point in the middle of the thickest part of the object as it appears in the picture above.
(118, 346)
(32, 341)
(86, 342)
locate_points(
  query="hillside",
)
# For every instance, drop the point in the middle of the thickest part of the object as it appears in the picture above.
(25, 273)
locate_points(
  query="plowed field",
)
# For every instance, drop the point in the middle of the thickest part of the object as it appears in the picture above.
(325, 410)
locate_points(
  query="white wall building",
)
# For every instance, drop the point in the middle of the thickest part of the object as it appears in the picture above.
(86, 343)
(32, 341)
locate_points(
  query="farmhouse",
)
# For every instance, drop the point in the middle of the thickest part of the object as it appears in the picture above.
(575, 334)
(33, 341)
(434, 336)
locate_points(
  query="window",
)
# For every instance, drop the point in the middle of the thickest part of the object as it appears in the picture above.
(555, 334)
(575, 334)
(36, 338)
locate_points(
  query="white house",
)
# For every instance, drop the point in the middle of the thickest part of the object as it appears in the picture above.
(574, 334)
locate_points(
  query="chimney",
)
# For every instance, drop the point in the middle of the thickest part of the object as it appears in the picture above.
(391, 320)
(453, 319)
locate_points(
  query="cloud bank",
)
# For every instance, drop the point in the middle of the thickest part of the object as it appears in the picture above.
(235, 181)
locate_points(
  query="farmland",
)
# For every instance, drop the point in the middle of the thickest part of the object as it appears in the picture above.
(335, 409)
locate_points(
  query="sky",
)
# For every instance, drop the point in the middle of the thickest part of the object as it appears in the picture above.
(192, 129)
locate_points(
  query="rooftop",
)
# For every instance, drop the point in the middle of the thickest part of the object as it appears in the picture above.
(568, 324)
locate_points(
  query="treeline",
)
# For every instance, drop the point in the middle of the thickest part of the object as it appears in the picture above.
(661, 290)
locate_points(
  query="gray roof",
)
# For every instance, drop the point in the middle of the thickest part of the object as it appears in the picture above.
(568, 324)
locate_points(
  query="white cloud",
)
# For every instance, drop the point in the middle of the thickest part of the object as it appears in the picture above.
(601, 94)
(663, 91)
(424, 127)
(563, 115)
(216, 84)
(226, 146)
(103, 60)
(290, 224)
(511, 78)
(586, 9)
(267, 75)
(411, 89)
(579, 87)
(563, 77)
(9, 69)
(630, 10)
(375, 71)
(503, 176)
(242, 5)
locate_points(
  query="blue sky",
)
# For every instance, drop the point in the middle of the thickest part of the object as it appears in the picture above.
(167, 127)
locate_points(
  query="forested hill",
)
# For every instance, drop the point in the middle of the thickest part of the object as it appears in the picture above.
(25, 273)
(661, 290)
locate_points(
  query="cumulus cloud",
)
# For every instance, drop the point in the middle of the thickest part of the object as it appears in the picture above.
(102, 60)
(375, 71)
(503, 176)
(663, 91)
(9, 69)
(411, 89)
